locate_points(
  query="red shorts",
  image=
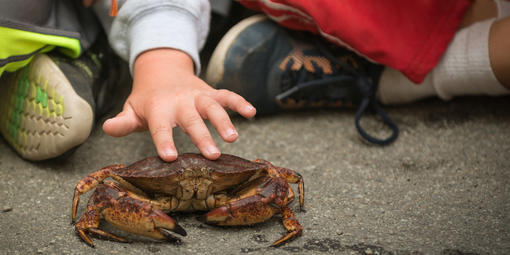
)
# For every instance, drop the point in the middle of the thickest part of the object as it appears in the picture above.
(408, 35)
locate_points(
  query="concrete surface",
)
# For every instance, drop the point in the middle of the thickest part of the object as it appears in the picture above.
(442, 188)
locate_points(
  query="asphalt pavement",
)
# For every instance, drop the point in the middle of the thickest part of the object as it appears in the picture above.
(442, 188)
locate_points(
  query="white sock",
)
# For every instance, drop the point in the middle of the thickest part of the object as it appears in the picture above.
(395, 88)
(464, 69)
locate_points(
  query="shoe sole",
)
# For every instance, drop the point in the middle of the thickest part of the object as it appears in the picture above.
(41, 115)
(216, 67)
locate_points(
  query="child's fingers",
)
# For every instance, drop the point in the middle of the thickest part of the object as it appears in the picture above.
(191, 122)
(161, 132)
(123, 124)
(216, 114)
(235, 102)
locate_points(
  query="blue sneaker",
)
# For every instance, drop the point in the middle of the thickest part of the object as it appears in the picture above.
(276, 69)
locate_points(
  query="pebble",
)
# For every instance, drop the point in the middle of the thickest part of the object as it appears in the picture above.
(6, 209)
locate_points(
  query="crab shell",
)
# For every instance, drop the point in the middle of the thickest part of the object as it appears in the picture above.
(190, 177)
(234, 190)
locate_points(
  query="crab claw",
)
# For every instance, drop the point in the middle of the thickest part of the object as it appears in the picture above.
(246, 211)
(272, 197)
(127, 212)
(164, 222)
(215, 216)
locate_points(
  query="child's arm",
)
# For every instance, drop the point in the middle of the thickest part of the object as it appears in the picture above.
(161, 39)
(166, 93)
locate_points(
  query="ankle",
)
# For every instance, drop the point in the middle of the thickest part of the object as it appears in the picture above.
(465, 68)
(498, 50)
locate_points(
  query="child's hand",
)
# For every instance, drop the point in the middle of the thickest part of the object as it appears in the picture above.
(165, 94)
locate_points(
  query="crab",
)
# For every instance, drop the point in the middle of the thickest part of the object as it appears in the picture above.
(233, 190)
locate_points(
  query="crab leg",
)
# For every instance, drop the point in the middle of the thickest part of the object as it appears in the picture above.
(250, 207)
(122, 209)
(294, 177)
(89, 222)
(289, 175)
(89, 182)
(292, 225)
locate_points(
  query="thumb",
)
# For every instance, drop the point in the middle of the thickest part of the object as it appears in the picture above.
(124, 123)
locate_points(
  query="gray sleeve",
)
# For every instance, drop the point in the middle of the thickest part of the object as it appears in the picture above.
(150, 24)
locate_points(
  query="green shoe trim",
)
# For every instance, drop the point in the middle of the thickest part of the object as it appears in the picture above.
(21, 46)
(28, 101)
(84, 67)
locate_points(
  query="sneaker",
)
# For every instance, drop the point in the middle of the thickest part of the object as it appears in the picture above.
(276, 69)
(47, 107)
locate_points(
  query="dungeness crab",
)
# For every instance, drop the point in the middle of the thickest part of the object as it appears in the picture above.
(235, 191)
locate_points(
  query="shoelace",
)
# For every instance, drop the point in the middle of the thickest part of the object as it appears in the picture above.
(302, 80)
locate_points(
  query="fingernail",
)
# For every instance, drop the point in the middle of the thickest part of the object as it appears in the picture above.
(169, 153)
(249, 108)
(231, 133)
(212, 150)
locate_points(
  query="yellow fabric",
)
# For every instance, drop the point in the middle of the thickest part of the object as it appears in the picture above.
(15, 42)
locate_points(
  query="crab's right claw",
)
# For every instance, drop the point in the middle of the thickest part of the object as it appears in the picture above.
(163, 223)
(125, 211)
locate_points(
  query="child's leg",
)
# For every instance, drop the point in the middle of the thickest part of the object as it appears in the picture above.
(499, 50)
(474, 63)
(478, 11)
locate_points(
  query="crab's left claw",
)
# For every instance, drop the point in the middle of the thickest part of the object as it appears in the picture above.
(272, 196)
(234, 215)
